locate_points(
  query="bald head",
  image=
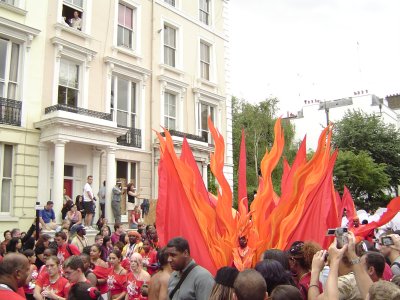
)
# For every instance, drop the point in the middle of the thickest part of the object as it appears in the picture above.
(15, 267)
(249, 284)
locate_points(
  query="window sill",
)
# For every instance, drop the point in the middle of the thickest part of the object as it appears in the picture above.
(5, 218)
(171, 69)
(206, 82)
(126, 51)
(13, 8)
(62, 27)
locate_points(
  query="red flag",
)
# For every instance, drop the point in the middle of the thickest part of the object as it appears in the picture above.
(174, 215)
(242, 182)
(348, 204)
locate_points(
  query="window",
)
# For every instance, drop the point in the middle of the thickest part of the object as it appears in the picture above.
(6, 162)
(68, 85)
(204, 61)
(11, 2)
(170, 2)
(204, 11)
(9, 60)
(169, 45)
(123, 102)
(170, 111)
(205, 110)
(125, 26)
(72, 13)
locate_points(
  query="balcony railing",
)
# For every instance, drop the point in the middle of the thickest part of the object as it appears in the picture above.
(133, 138)
(10, 112)
(78, 110)
(188, 135)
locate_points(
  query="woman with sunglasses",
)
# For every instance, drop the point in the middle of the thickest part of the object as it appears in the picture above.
(51, 285)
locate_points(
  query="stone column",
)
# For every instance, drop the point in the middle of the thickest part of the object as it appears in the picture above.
(96, 179)
(43, 181)
(204, 164)
(110, 181)
(58, 180)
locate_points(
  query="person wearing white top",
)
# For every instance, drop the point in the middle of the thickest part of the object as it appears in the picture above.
(88, 201)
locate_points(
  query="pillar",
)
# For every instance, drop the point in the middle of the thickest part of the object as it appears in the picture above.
(43, 180)
(58, 180)
(96, 153)
(110, 181)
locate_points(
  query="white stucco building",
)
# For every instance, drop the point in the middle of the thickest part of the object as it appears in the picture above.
(313, 117)
(83, 100)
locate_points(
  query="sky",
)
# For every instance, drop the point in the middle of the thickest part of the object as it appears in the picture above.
(299, 50)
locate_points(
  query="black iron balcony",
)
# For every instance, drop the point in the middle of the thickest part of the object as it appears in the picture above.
(78, 110)
(187, 135)
(133, 138)
(10, 112)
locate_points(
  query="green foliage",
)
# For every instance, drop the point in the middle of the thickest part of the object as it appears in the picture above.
(258, 122)
(364, 178)
(358, 131)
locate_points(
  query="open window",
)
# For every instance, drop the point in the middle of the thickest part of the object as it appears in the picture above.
(73, 14)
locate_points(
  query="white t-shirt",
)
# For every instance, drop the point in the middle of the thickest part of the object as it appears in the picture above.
(87, 190)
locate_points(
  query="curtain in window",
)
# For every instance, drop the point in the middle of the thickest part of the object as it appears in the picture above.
(13, 77)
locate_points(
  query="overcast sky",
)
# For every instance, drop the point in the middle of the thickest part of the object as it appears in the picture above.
(313, 49)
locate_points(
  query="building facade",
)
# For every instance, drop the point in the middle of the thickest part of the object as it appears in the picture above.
(83, 84)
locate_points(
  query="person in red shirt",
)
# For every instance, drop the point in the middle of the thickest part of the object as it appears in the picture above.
(136, 278)
(14, 270)
(117, 277)
(64, 249)
(149, 257)
(33, 274)
(101, 269)
(74, 271)
(51, 285)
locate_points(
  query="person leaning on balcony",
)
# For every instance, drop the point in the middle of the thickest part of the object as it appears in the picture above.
(47, 216)
(76, 22)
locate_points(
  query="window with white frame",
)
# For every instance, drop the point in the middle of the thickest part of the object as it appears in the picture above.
(11, 2)
(68, 83)
(205, 110)
(6, 168)
(125, 26)
(169, 45)
(170, 109)
(9, 64)
(123, 102)
(72, 13)
(170, 2)
(204, 61)
(204, 11)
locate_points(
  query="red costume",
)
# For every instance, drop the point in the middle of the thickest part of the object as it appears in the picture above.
(58, 287)
(133, 288)
(102, 273)
(116, 282)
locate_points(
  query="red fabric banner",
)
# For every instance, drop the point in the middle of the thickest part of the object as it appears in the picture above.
(242, 181)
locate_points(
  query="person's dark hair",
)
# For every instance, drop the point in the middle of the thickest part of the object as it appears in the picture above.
(278, 255)
(13, 231)
(28, 253)
(12, 245)
(180, 244)
(249, 284)
(273, 273)
(376, 260)
(49, 202)
(106, 239)
(117, 253)
(286, 292)
(54, 258)
(53, 251)
(140, 231)
(86, 250)
(83, 291)
(74, 262)
(42, 238)
(117, 226)
(5, 232)
(303, 253)
(122, 237)
(77, 199)
(224, 280)
(97, 246)
(162, 257)
(61, 235)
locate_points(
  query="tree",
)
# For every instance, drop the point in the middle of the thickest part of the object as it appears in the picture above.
(364, 178)
(258, 122)
(358, 131)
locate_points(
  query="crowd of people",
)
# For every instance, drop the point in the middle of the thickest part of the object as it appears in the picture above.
(131, 265)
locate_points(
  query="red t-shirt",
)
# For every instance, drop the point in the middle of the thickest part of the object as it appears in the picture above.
(116, 283)
(70, 285)
(28, 288)
(63, 253)
(10, 295)
(126, 264)
(58, 287)
(102, 273)
(133, 288)
(304, 285)
(149, 260)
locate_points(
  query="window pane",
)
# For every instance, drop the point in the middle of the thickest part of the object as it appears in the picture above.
(120, 36)
(72, 97)
(171, 124)
(14, 62)
(133, 97)
(121, 14)
(3, 58)
(5, 195)
(62, 94)
(63, 72)
(122, 118)
(12, 91)
(122, 94)
(7, 164)
(204, 116)
(128, 17)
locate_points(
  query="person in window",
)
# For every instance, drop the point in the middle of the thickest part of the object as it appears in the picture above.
(76, 22)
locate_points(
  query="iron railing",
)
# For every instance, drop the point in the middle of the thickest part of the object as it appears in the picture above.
(133, 138)
(10, 111)
(187, 135)
(78, 110)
